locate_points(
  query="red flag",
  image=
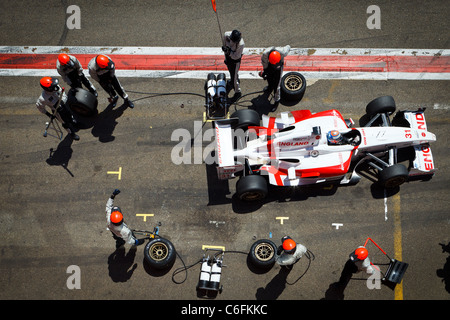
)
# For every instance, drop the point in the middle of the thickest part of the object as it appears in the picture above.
(214, 5)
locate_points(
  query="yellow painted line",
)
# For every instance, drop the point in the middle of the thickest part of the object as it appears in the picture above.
(282, 219)
(119, 173)
(145, 215)
(398, 291)
(329, 99)
(204, 247)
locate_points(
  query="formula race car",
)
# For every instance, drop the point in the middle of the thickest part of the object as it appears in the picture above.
(302, 148)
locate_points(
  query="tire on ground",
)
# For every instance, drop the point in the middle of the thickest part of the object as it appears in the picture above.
(262, 254)
(160, 253)
(292, 86)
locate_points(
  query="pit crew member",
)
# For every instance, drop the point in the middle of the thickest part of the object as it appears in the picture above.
(71, 72)
(272, 61)
(49, 98)
(103, 70)
(233, 49)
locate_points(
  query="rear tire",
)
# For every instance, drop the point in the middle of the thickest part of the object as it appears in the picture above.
(251, 188)
(246, 118)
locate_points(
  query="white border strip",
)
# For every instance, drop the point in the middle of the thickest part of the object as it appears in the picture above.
(218, 51)
(242, 74)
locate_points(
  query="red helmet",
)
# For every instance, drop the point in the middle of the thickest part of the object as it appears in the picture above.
(289, 245)
(116, 216)
(274, 57)
(103, 61)
(49, 84)
(63, 58)
(360, 254)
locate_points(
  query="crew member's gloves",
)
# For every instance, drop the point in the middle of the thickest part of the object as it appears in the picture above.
(139, 242)
(226, 49)
(115, 193)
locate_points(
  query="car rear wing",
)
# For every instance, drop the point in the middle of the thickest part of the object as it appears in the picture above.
(226, 166)
(423, 163)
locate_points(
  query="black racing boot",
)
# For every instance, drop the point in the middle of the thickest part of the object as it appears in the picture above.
(129, 103)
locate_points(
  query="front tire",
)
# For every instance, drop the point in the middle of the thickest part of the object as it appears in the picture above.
(393, 176)
(385, 104)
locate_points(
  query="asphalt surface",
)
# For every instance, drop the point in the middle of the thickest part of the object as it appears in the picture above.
(53, 194)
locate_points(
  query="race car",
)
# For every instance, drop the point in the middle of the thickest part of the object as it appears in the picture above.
(303, 148)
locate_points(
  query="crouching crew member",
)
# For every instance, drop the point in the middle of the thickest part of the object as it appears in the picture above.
(289, 252)
(71, 71)
(360, 257)
(119, 229)
(103, 70)
(50, 98)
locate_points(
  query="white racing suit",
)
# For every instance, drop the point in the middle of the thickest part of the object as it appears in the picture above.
(233, 59)
(120, 231)
(50, 100)
(364, 265)
(285, 259)
(273, 73)
(107, 79)
(74, 76)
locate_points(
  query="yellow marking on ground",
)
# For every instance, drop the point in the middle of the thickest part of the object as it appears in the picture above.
(398, 291)
(145, 215)
(119, 173)
(204, 247)
(329, 99)
(282, 219)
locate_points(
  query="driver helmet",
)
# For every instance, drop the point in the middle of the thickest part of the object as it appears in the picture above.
(334, 137)
(359, 254)
(289, 245)
(64, 60)
(49, 84)
(116, 216)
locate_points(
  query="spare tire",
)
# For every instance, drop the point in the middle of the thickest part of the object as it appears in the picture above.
(82, 102)
(292, 86)
(160, 253)
(263, 253)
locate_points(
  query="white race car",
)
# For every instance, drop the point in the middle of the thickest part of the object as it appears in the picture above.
(302, 148)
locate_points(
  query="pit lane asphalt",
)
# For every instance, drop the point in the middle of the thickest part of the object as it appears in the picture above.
(52, 213)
